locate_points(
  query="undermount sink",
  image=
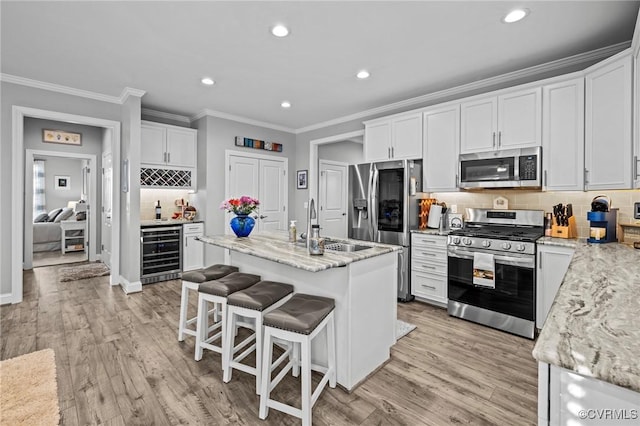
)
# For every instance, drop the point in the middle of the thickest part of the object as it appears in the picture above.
(339, 246)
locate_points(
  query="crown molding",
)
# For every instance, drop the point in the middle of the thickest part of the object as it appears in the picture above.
(129, 91)
(240, 119)
(464, 89)
(166, 115)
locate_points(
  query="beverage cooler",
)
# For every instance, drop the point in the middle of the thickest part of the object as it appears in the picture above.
(160, 253)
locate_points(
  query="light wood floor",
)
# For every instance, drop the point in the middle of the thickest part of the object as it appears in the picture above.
(119, 363)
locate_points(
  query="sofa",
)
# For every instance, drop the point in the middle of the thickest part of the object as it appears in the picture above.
(47, 233)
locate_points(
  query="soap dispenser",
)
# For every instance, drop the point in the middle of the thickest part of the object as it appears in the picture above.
(292, 232)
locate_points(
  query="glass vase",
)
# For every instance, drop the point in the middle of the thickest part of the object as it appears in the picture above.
(242, 225)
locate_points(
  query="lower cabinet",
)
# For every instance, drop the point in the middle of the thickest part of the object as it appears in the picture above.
(553, 262)
(192, 249)
(429, 268)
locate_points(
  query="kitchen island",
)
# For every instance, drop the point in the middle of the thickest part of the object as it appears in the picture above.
(589, 348)
(362, 283)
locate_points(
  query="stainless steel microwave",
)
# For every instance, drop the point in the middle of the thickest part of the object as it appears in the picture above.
(508, 168)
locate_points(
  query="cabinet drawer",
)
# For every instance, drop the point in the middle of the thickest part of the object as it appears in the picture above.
(425, 240)
(430, 254)
(429, 286)
(429, 267)
(193, 228)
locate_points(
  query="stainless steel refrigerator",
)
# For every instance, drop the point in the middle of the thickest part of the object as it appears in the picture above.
(383, 207)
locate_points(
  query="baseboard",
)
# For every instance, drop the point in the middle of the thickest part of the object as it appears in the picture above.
(130, 287)
(6, 299)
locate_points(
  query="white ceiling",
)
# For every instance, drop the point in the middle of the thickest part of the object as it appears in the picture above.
(410, 48)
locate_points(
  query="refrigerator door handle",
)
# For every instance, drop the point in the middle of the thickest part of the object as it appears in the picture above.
(374, 204)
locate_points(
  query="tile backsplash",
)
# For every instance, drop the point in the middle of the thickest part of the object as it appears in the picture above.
(537, 200)
(167, 197)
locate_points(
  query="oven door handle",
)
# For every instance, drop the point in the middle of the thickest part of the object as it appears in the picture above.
(525, 262)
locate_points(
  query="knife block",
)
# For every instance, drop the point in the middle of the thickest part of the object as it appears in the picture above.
(570, 231)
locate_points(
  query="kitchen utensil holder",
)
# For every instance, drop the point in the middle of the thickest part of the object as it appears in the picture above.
(570, 231)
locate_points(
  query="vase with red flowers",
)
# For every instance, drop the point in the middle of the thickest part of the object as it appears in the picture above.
(242, 224)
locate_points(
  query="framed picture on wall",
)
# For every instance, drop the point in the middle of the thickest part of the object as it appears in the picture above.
(62, 182)
(60, 136)
(301, 181)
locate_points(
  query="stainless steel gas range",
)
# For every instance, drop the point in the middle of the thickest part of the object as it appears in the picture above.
(492, 274)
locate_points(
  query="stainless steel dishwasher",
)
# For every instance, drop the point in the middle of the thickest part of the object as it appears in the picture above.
(160, 253)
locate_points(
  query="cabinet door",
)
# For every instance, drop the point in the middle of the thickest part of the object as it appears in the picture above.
(636, 118)
(377, 141)
(608, 143)
(553, 263)
(181, 147)
(520, 119)
(192, 250)
(152, 145)
(563, 136)
(407, 137)
(441, 142)
(478, 125)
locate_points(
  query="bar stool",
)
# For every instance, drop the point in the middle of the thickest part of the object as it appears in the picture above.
(217, 292)
(254, 302)
(298, 321)
(191, 281)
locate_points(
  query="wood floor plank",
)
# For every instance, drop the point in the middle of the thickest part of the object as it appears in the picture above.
(119, 362)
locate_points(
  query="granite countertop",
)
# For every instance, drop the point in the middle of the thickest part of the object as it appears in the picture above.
(431, 231)
(560, 242)
(274, 245)
(166, 222)
(593, 327)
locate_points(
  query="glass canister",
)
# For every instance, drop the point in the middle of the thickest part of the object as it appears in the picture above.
(316, 242)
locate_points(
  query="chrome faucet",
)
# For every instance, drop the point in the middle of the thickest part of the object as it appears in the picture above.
(312, 215)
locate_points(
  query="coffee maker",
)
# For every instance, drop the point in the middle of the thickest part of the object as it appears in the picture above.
(603, 221)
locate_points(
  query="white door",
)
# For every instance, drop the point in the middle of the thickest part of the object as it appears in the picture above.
(273, 196)
(107, 176)
(333, 199)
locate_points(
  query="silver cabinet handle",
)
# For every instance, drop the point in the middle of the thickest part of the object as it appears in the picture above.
(428, 286)
(499, 138)
(586, 179)
(186, 242)
(545, 178)
(168, 157)
(426, 253)
(428, 241)
(389, 152)
(635, 166)
(428, 267)
(456, 181)
(493, 144)
(164, 157)
(393, 154)
(540, 261)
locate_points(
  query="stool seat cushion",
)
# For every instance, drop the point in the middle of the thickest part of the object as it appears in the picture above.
(210, 273)
(261, 295)
(300, 314)
(229, 284)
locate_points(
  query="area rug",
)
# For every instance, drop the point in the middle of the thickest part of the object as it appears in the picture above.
(81, 272)
(29, 391)
(403, 328)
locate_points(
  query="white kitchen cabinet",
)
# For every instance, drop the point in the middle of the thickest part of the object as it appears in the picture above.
(192, 249)
(440, 150)
(429, 268)
(167, 146)
(563, 135)
(553, 262)
(501, 121)
(608, 124)
(394, 138)
(636, 119)
(568, 398)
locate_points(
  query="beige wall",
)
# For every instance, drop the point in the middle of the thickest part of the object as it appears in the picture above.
(519, 199)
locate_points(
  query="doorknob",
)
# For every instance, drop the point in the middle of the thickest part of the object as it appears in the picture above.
(344, 214)
(262, 217)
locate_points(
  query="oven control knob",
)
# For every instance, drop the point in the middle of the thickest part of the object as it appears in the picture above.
(466, 241)
(455, 240)
(486, 243)
(520, 247)
(506, 246)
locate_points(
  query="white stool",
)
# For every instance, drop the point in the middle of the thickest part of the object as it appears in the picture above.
(191, 281)
(217, 292)
(254, 302)
(298, 321)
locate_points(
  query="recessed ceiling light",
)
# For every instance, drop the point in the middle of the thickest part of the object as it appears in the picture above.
(280, 31)
(208, 81)
(285, 104)
(515, 15)
(363, 74)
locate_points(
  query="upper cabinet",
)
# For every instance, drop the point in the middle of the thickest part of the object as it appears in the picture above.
(393, 138)
(563, 135)
(608, 124)
(170, 146)
(508, 120)
(441, 144)
(167, 156)
(636, 115)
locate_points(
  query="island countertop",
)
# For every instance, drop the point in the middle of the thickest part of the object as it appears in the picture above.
(274, 246)
(593, 327)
